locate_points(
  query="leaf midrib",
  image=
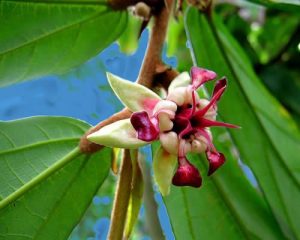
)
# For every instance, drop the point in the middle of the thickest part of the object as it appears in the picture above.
(58, 30)
(37, 144)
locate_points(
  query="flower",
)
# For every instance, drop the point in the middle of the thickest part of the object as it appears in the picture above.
(181, 122)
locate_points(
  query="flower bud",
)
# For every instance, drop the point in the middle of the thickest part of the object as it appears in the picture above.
(142, 10)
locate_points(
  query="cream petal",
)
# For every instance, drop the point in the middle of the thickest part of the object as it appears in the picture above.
(119, 134)
(164, 165)
(198, 146)
(165, 105)
(169, 142)
(178, 95)
(134, 96)
(165, 124)
(182, 80)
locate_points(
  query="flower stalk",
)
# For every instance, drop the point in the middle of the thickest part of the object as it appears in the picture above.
(121, 201)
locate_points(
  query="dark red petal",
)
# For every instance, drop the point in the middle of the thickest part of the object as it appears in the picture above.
(222, 83)
(187, 175)
(216, 160)
(203, 122)
(200, 76)
(212, 102)
(145, 128)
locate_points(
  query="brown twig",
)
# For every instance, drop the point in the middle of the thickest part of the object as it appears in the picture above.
(154, 49)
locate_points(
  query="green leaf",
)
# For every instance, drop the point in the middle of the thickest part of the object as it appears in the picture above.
(129, 39)
(269, 139)
(283, 5)
(39, 38)
(281, 35)
(225, 207)
(45, 181)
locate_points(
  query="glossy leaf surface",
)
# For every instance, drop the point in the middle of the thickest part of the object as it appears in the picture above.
(46, 183)
(269, 139)
(39, 38)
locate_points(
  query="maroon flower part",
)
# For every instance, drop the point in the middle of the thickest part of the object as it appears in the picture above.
(185, 126)
(145, 129)
(216, 159)
(186, 174)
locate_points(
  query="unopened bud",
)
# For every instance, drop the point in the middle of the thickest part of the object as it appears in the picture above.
(142, 10)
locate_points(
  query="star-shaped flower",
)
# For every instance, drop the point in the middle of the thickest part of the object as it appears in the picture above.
(181, 122)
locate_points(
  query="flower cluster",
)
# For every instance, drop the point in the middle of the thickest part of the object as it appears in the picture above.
(181, 122)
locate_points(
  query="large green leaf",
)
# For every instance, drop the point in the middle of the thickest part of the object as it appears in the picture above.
(269, 139)
(38, 38)
(46, 183)
(283, 5)
(225, 207)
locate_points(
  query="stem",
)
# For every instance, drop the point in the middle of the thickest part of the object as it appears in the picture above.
(121, 201)
(154, 49)
(153, 72)
(39, 178)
